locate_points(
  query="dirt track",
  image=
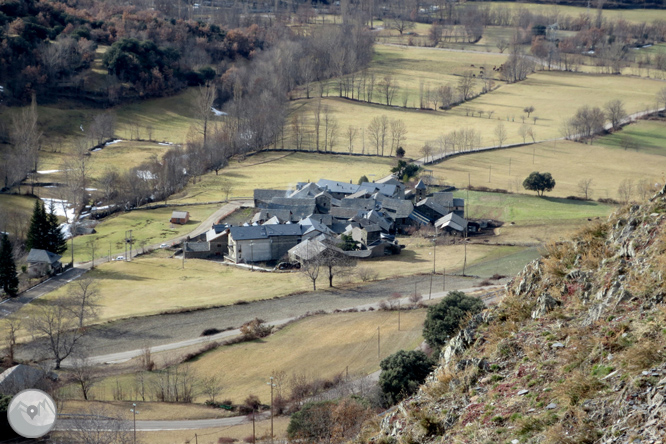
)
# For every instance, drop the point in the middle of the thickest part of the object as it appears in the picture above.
(136, 333)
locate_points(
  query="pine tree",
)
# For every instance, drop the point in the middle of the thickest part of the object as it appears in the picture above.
(55, 239)
(38, 231)
(8, 277)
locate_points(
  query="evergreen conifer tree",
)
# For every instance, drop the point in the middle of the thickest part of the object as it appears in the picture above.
(38, 228)
(8, 277)
(55, 239)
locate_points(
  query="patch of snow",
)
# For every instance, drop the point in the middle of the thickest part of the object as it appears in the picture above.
(185, 171)
(91, 189)
(48, 171)
(60, 208)
(217, 112)
(165, 143)
(96, 149)
(113, 142)
(2, 88)
(145, 175)
(591, 51)
(66, 230)
(105, 207)
(81, 126)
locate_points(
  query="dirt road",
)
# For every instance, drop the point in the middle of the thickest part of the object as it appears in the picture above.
(134, 334)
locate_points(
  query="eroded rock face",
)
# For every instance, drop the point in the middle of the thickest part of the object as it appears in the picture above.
(545, 303)
(610, 281)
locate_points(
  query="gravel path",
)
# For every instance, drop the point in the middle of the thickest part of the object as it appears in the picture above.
(131, 334)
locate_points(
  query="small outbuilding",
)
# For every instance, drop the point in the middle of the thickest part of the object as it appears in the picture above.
(180, 217)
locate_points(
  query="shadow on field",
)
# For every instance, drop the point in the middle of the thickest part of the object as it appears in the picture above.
(117, 275)
(562, 200)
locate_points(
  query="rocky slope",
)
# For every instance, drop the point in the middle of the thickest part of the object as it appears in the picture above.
(575, 353)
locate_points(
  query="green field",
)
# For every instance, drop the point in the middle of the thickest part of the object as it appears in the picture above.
(148, 227)
(648, 136)
(334, 343)
(568, 162)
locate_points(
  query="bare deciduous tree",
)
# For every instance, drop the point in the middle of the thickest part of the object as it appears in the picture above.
(585, 187)
(500, 134)
(466, 84)
(626, 190)
(523, 131)
(351, 136)
(84, 375)
(11, 335)
(388, 86)
(398, 132)
(84, 299)
(98, 425)
(55, 329)
(615, 112)
(203, 108)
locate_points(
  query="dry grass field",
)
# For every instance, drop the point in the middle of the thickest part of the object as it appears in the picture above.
(318, 347)
(568, 162)
(282, 170)
(555, 95)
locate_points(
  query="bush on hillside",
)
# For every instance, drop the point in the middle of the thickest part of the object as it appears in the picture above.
(402, 373)
(443, 319)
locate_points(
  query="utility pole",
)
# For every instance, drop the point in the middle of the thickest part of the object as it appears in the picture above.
(398, 314)
(129, 258)
(533, 152)
(196, 439)
(378, 344)
(134, 412)
(184, 248)
(509, 166)
(443, 279)
(109, 251)
(465, 261)
(490, 172)
(430, 292)
(72, 234)
(254, 434)
(469, 184)
(272, 385)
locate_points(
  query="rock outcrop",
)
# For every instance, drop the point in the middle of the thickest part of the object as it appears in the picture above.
(574, 353)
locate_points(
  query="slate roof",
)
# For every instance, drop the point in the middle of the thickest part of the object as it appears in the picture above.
(453, 221)
(267, 195)
(428, 202)
(445, 199)
(363, 194)
(360, 204)
(308, 190)
(264, 231)
(397, 208)
(420, 185)
(179, 215)
(344, 212)
(391, 180)
(212, 234)
(386, 189)
(42, 256)
(19, 377)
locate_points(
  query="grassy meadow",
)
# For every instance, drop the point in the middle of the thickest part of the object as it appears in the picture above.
(335, 342)
(555, 95)
(568, 162)
(148, 227)
(278, 170)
